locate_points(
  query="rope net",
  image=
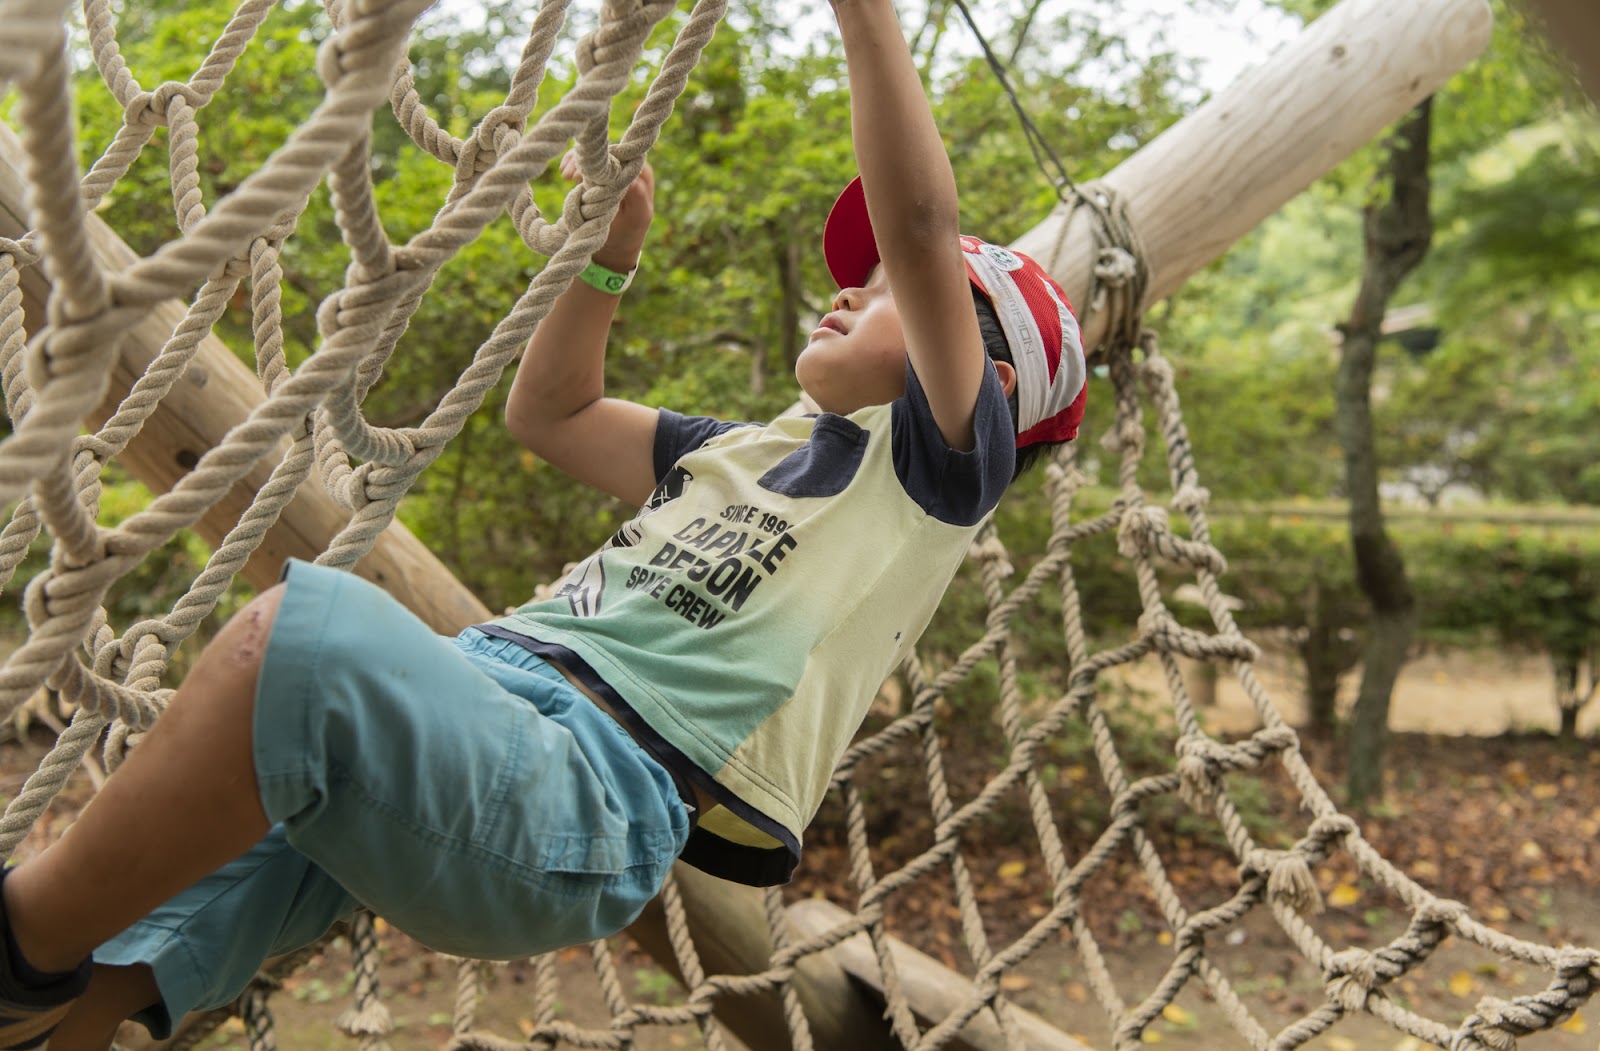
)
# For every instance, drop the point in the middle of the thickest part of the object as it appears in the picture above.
(114, 677)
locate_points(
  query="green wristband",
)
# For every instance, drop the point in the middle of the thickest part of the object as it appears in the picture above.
(596, 276)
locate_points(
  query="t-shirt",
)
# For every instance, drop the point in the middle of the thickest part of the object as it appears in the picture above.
(743, 621)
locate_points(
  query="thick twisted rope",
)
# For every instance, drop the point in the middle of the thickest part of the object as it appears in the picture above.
(312, 423)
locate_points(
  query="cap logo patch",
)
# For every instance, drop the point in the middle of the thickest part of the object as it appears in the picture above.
(1001, 257)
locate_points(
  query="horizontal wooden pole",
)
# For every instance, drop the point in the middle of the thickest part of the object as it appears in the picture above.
(1216, 174)
(729, 925)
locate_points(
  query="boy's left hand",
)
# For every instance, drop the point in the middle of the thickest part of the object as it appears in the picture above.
(632, 222)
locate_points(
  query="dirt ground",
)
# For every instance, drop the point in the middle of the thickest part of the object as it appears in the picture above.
(1508, 824)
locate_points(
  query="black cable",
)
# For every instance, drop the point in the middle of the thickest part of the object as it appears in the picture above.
(1037, 143)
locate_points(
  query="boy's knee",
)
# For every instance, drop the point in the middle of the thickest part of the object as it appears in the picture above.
(244, 639)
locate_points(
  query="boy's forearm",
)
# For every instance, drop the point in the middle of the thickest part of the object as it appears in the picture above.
(563, 369)
(904, 168)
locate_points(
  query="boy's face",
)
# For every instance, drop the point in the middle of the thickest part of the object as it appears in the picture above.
(857, 355)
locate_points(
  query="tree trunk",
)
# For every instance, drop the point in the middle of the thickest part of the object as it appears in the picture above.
(1566, 666)
(788, 339)
(1324, 655)
(1397, 234)
(1569, 726)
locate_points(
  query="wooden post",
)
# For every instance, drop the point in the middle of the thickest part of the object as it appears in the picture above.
(1214, 175)
(1573, 26)
(1191, 193)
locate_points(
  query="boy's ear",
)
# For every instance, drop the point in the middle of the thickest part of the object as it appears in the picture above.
(1007, 374)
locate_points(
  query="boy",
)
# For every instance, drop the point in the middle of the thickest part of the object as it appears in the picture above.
(686, 692)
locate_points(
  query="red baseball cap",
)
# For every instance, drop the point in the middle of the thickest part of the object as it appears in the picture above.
(1046, 345)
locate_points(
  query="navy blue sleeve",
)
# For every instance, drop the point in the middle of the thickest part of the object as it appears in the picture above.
(953, 486)
(677, 436)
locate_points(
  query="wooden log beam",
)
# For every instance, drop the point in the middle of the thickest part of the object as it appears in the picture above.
(1573, 27)
(1216, 174)
(729, 926)
(933, 991)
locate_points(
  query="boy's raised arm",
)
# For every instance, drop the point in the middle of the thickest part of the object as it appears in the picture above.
(557, 407)
(911, 198)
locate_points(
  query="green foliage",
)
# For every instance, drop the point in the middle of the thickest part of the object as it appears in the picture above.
(731, 280)
(1534, 588)
(732, 276)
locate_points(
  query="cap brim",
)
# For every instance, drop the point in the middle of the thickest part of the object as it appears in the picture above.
(847, 241)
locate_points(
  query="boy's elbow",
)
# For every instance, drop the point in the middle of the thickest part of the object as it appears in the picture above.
(930, 214)
(937, 220)
(522, 423)
(543, 427)
(927, 227)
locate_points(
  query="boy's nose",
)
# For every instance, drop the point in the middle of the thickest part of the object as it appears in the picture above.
(847, 299)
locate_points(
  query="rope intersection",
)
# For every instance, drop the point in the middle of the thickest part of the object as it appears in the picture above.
(311, 423)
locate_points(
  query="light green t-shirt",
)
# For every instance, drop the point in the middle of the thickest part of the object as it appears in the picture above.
(746, 618)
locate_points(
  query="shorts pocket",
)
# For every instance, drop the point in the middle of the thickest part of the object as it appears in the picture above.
(553, 809)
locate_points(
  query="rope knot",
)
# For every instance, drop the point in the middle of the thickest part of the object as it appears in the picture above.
(990, 549)
(1158, 623)
(1276, 739)
(1156, 371)
(1059, 480)
(497, 133)
(1329, 829)
(1116, 266)
(1493, 1026)
(1441, 912)
(1200, 759)
(1577, 966)
(370, 1020)
(1191, 499)
(1351, 977)
(1139, 529)
(236, 269)
(1288, 876)
(279, 231)
(355, 494)
(330, 60)
(153, 108)
(69, 346)
(600, 197)
(152, 636)
(22, 253)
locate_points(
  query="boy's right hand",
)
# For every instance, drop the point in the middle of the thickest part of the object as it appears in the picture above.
(632, 222)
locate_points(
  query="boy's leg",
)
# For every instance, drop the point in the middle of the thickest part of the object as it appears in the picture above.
(200, 949)
(184, 803)
(114, 993)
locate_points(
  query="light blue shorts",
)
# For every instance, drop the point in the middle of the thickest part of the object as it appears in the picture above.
(460, 788)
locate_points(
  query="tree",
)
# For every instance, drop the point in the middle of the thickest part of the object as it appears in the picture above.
(1398, 231)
